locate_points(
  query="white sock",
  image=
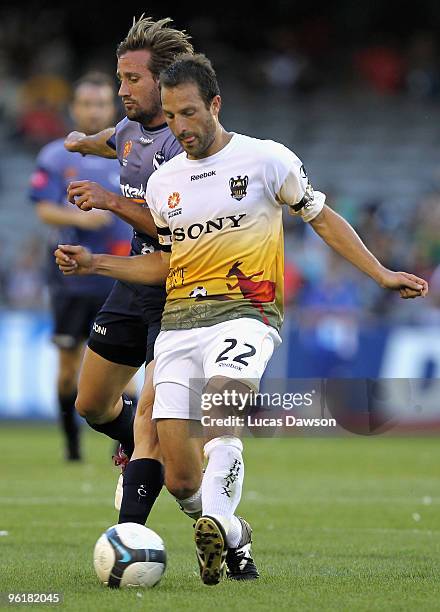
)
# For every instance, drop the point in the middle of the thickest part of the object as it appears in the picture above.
(192, 506)
(223, 479)
(233, 536)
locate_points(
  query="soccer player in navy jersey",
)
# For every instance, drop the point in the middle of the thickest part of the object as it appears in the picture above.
(74, 301)
(127, 325)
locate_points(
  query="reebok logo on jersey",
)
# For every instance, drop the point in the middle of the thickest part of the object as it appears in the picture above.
(197, 229)
(146, 141)
(133, 192)
(197, 177)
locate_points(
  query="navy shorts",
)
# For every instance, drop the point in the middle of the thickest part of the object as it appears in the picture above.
(126, 327)
(73, 317)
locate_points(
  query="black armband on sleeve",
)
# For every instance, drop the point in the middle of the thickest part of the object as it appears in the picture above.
(164, 237)
(307, 197)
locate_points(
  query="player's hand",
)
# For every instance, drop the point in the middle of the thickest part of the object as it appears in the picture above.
(73, 142)
(74, 259)
(87, 195)
(408, 285)
(94, 220)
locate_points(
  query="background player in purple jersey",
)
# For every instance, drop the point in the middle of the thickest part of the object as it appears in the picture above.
(75, 302)
(127, 325)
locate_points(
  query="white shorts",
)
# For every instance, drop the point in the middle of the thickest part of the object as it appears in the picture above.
(186, 359)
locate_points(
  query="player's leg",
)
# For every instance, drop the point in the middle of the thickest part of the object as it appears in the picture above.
(182, 455)
(69, 360)
(100, 398)
(176, 411)
(69, 338)
(116, 350)
(143, 478)
(222, 486)
(244, 356)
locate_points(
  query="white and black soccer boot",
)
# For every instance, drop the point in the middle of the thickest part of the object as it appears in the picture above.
(211, 549)
(240, 565)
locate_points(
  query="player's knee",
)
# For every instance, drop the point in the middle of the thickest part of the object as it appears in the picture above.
(88, 409)
(81, 407)
(181, 486)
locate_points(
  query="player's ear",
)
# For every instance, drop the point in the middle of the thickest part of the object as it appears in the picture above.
(216, 105)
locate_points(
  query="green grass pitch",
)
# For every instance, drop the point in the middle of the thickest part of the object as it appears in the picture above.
(341, 524)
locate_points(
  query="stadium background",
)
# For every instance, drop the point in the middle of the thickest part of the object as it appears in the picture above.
(353, 90)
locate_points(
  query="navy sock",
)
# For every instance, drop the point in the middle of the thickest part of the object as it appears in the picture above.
(143, 481)
(121, 428)
(69, 425)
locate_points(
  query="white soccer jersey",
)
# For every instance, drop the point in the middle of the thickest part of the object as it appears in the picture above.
(221, 218)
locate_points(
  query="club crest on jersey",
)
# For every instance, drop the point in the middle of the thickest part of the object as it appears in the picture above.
(174, 200)
(238, 187)
(158, 159)
(127, 150)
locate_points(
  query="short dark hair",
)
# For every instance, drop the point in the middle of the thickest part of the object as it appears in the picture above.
(192, 69)
(99, 79)
(164, 43)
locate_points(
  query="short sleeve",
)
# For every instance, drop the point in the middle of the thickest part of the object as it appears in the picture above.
(289, 184)
(47, 182)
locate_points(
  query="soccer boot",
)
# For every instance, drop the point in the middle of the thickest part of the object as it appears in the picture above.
(210, 541)
(240, 565)
(121, 460)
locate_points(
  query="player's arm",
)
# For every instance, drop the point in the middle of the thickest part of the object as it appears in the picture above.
(87, 195)
(95, 144)
(53, 214)
(151, 269)
(341, 237)
(297, 193)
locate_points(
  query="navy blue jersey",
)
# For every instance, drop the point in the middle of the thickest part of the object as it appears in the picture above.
(140, 152)
(55, 169)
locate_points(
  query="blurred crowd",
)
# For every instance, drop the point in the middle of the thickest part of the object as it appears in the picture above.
(301, 60)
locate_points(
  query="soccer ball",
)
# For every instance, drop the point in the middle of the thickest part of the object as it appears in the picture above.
(129, 555)
(198, 291)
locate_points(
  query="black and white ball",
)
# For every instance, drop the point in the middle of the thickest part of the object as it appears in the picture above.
(129, 555)
(198, 291)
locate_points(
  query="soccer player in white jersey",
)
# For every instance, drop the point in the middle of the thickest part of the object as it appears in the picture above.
(218, 210)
